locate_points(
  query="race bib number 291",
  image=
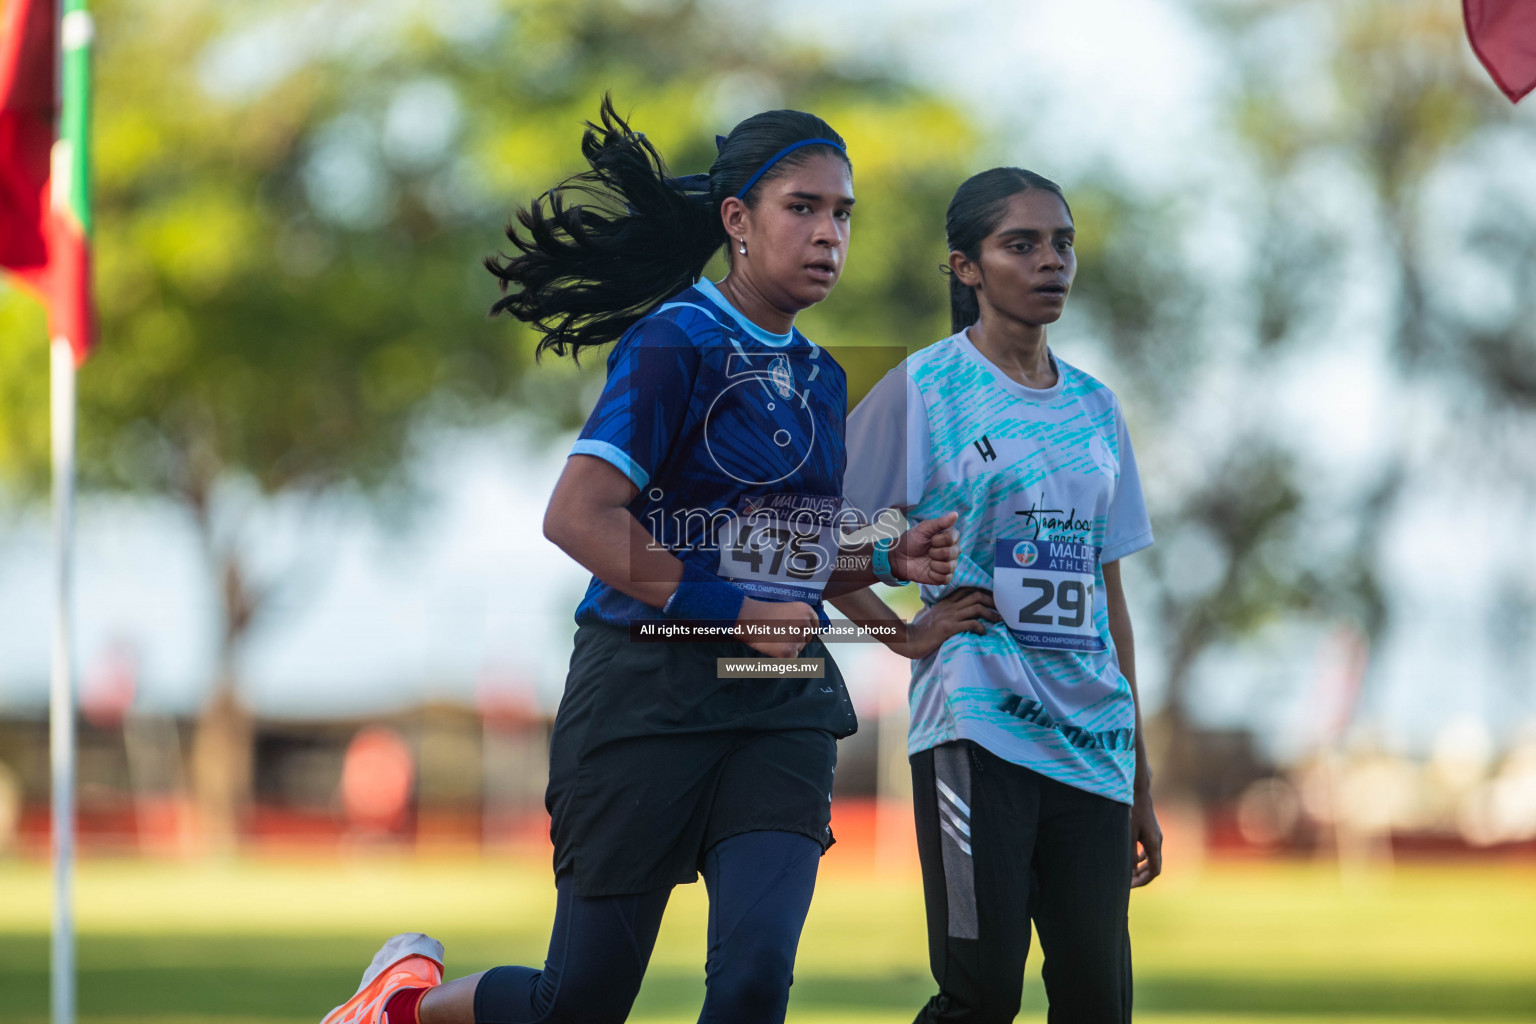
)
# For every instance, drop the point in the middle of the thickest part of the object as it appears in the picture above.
(1044, 589)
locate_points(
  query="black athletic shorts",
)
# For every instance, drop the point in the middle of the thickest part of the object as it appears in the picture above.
(654, 759)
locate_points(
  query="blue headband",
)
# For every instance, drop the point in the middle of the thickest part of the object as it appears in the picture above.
(781, 154)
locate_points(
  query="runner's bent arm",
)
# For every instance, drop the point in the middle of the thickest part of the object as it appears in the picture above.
(965, 611)
(926, 553)
(589, 519)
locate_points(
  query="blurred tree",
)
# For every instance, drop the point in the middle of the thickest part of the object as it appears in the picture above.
(1370, 163)
(293, 201)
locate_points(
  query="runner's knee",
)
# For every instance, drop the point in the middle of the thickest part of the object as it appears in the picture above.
(752, 985)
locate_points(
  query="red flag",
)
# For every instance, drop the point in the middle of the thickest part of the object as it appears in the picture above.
(28, 104)
(1503, 35)
(43, 236)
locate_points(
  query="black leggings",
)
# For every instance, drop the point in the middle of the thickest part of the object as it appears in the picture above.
(760, 887)
(1001, 845)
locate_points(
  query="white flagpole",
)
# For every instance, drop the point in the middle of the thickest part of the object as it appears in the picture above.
(61, 711)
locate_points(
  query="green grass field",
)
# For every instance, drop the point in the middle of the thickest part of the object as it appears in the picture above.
(269, 941)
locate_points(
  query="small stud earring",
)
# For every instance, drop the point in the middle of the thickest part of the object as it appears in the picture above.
(743, 249)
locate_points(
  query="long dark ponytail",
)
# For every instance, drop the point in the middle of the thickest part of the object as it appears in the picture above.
(607, 245)
(973, 214)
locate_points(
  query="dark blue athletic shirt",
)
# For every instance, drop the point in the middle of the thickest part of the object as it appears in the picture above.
(734, 437)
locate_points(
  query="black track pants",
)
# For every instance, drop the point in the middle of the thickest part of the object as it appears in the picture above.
(1001, 845)
(759, 892)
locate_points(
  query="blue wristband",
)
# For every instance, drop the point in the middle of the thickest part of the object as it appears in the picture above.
(880, 562)
(704, 597)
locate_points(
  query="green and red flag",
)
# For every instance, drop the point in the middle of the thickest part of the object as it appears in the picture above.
(45, 212)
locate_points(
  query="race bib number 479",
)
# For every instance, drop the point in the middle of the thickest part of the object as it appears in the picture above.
(1045, 593)
(781, 548)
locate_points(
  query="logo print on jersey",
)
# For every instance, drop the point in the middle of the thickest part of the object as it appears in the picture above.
(1025, 553)
(782, 376)
(759, 430)
(1055, 523)
(984, 446)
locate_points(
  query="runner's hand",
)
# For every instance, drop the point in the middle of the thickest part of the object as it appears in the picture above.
(795, 614)
(967, 610)
(1146, 834)
(927, 553)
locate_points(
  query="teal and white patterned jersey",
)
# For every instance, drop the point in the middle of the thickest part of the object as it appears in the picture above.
(1047, 491)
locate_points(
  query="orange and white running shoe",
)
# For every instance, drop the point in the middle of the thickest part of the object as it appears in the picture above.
(408, 960)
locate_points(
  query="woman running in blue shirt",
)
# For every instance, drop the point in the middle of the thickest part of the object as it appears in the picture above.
(704, 491)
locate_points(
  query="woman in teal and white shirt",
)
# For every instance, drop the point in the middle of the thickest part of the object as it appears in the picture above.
(1029, 769)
